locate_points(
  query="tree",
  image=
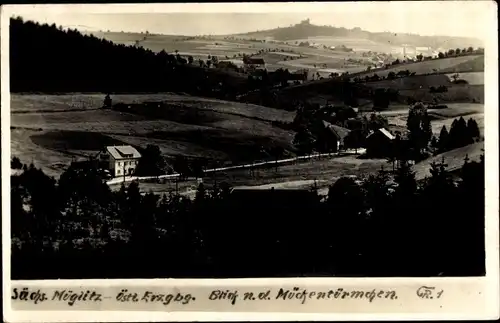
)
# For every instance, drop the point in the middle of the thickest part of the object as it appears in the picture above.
(441, 55)
(419, 126)
(181, 166)
(459, 134)
(152, 162)
(406, 184)
(107, 101)
(473, 128)
(190, 60)
(201, 193)
(443, 142)
(381, 100)
(345, 196)
(434, 142)
(354, 140)
(16, 163)
(455, 77)
(427, 128)
(304, 141)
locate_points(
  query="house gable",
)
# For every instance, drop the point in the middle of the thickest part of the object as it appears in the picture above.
(123, 152)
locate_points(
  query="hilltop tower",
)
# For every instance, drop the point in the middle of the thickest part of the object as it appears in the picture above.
(306, 22)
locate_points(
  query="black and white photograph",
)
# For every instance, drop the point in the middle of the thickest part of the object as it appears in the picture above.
(348, 143)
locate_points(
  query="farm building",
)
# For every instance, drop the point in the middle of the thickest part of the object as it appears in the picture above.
(332, 137)
(379, 143)
(254, 63)
(123, 160)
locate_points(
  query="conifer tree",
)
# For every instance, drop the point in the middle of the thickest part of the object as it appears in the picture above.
(473, 128)
(426, 128)
(434, 142)
(443, 139)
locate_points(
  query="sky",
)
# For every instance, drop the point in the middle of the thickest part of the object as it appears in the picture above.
(446, 18)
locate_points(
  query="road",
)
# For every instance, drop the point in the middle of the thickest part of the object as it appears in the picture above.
(119, 180)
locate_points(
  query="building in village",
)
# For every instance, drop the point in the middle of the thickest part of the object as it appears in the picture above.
(379, 143)
(253, 63)
(331, 137)
(122, 160)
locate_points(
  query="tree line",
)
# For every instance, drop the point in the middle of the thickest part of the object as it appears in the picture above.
(416, 143)
(47, 58)
(461, 134)
(376, 225)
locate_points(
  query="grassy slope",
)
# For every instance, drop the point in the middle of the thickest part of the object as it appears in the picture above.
(298, 175)
(409, 87)
(453, 158)
(441, 117)
(232, 129)
(310, 30)
(473, 65)
(444, 65)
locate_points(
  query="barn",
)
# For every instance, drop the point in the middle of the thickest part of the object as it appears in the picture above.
(331, 137)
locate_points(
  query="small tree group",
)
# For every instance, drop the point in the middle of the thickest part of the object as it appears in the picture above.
(419, 127)
(461, 134)
(152, 162)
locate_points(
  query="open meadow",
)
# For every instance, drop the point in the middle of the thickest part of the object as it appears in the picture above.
(439, 117)
(458, 64)
(277, 54)
(318, 172)
(53, 129)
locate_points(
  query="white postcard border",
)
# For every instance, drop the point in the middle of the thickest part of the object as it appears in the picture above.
(488, 285)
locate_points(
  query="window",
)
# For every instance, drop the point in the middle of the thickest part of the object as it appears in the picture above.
(119, 163)
(118, 172)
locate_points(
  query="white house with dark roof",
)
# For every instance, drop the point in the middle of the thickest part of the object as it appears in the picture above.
(123, 160)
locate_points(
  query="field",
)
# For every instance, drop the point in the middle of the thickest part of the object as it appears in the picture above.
(53, 129)
(453, 158)
(305, 174)
(318, 173)
(445, 65)
(281, 54)
(473, 65)
(472, 78)
(276, 54)
(413, 82)
(440, 117)
(357, 44)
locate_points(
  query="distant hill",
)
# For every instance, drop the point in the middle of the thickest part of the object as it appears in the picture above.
(305, 30)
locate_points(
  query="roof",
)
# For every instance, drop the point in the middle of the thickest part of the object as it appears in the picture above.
(123, 152)
(340, 132)
(383, 131)
(386, 133)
